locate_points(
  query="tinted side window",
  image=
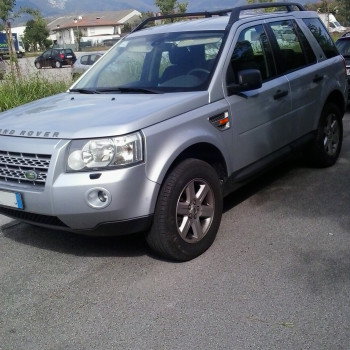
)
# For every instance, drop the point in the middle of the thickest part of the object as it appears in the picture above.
(94, 58)
(47, 54)
(343, 45)
(321, 35)
(290, 51)
(309, 53)
(84, 59)
(252, 51)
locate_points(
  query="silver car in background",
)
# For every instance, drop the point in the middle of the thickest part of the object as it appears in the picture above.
(84, 62)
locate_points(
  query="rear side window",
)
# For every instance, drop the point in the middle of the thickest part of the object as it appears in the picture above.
(84, 60)
(343, 47)
(47, 53)
(292, 49)
(94, 58)
(321, 35)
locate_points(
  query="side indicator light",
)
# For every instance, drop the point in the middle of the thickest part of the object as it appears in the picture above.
(221, 121)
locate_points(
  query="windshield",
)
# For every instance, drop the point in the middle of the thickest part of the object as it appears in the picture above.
(343, 47)
(155, 63)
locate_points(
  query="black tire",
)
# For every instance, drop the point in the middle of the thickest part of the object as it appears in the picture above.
(38, 65)
(325, 149)
(185, 222)
(58, 64)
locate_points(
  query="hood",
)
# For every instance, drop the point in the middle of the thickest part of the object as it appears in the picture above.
(74, 115)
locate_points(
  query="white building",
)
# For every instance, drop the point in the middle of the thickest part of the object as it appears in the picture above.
(93, 27)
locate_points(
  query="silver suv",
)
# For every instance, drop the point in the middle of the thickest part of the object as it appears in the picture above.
(172, 119)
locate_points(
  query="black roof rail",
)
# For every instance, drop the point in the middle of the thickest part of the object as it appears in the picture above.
(290, 7)
(182, 15)
(234, 17)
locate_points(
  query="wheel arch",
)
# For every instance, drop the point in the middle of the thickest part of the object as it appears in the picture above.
(337, 98)
(202, 151)
(207, 153)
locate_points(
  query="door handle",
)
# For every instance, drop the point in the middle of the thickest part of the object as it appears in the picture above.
(318, 78)
(280, 93)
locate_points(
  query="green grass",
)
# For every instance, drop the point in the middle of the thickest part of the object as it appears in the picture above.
(15, 92)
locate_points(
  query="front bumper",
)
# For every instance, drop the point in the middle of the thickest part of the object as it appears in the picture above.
(70, 201)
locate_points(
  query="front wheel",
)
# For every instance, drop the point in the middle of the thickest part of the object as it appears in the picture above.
(37, 65)
(58, 64)
(188, 211)
(325, 149)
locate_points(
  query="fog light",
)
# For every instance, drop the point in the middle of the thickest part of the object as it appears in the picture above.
(98, 198)
(102, 196)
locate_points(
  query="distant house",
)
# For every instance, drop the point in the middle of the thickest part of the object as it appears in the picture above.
(90, 28)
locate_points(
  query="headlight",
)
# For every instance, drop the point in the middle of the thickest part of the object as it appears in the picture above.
(107, 153)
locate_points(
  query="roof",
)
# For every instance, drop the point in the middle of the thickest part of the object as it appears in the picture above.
(93, 19)
(219, 22)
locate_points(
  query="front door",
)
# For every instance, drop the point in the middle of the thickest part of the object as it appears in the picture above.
(259, 117)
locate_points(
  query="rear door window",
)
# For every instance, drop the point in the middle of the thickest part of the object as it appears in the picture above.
(291, 47)
(84, 60)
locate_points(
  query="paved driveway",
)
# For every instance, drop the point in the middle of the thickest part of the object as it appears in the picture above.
(277, 277)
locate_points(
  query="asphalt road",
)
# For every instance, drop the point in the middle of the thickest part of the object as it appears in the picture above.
(28, 68)
(277, 277)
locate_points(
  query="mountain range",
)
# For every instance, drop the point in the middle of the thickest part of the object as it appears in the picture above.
(50, 8)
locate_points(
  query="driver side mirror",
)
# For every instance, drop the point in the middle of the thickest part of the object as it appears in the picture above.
(247, 79)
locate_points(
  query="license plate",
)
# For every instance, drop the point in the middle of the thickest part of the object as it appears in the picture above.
(348, 71)
(11, 199)
(69, 56)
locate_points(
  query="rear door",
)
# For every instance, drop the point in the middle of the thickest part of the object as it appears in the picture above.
(297, 61)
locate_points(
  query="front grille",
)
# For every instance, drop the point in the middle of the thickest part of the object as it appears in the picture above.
(33, 218)
(24, 168)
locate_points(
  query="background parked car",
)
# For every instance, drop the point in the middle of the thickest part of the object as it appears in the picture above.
(84, 62)
(2, 68)
(56, 57)
(343, 45)
(110, 42)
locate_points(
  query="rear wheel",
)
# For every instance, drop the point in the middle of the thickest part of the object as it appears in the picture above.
(58, 64)
(37, 65)
(188, 212)
(325, 149)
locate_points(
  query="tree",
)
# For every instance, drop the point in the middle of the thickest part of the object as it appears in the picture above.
(36, 33)
(339, 8)
(344, 10)
(168, 7)
(6, 14)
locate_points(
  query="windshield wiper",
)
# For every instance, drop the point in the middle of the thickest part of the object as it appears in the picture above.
(85, 91)
(122, 89)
